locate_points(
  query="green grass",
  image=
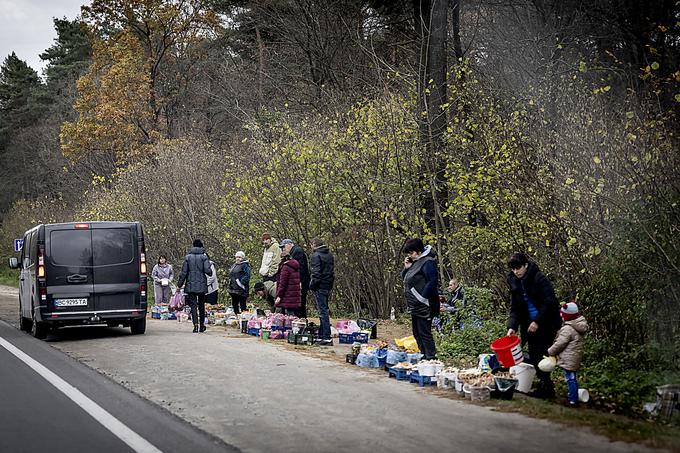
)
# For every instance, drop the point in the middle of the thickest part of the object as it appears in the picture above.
(9, 277)
(615, 427)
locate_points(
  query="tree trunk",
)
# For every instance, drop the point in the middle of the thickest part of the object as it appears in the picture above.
(431, 26)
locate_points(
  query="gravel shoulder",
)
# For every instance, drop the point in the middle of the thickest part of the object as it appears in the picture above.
(262, 396)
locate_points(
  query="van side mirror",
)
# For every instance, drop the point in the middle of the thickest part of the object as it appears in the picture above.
(13, 263)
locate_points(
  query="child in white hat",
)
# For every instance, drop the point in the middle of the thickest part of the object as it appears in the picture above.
(568, 347)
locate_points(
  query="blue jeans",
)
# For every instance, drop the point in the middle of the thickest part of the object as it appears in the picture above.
(572, 386)
(321, 296)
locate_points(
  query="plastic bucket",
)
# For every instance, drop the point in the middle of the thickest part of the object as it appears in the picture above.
(524, 373)
(583, 395)
(426, 369)
(481, 393)
(297, 326)
(508, 350)
(265, 334)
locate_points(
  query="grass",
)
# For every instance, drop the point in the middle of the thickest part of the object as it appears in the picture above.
(615, 427)
(9, 277)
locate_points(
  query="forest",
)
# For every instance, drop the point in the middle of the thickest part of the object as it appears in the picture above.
(486, 127)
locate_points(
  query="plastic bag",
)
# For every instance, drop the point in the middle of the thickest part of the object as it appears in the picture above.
(176, 302)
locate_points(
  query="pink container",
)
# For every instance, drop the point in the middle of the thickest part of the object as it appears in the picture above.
(342, 324)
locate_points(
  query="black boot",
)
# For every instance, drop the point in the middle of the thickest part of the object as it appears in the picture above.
(202, 329)
(195, 328)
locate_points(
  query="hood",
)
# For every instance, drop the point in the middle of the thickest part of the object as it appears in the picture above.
(579, 324)
(292, 263)
(322, 249)
(196, 251)
(429, 251)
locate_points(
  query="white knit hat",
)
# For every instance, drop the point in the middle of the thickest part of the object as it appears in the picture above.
(241, 255)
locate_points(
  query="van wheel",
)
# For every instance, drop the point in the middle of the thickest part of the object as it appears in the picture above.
(38, 329)
(138, 326)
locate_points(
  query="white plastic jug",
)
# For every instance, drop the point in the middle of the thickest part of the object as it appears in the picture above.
(524, 373)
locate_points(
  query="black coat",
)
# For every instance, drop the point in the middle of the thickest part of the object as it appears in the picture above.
(300, 256)
(323, 274)
(195, 269)
(541, 292)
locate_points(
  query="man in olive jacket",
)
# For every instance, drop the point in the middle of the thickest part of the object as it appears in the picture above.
(535, 313)
(271, 259)
(195, 269)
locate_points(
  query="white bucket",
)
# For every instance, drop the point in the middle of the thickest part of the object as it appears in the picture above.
(426, 369)
(583, 395)
(524, 373)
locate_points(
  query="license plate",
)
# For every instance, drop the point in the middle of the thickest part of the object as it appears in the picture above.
(70, 302)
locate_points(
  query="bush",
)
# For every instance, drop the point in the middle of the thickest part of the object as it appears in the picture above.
(483, 318)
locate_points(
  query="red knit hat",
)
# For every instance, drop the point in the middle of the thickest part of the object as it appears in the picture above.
(569, 311)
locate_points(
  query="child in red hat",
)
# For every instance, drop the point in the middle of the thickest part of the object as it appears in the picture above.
(568, 347)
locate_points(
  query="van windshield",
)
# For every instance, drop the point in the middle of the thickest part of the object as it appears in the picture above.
(71, 248)
(112, 246)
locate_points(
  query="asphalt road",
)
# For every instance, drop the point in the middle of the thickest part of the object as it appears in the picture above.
(36, 416)
(262, 397)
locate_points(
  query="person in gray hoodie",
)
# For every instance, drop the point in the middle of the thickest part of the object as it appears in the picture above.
(195, 269)
(239, 281)
(162, 275)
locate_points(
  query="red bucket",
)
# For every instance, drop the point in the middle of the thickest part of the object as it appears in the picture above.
(508, 350)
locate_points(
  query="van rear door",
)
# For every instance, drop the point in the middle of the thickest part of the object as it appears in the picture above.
(69, 276)
(116, 265)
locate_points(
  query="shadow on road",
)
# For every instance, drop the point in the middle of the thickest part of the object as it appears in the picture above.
(78, 333)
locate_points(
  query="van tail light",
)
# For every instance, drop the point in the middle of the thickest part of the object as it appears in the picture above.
(43, 294)
(142, 266)
(82, 226)
(41, 264)
(142, 290)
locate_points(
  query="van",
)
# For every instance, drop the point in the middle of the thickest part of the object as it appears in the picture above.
(82, 274)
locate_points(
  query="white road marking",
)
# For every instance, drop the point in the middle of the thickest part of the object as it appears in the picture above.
(131, 438)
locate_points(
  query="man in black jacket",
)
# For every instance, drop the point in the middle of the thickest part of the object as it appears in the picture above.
(195, 269)
(321, 283)
(288, 247)
(535, 312)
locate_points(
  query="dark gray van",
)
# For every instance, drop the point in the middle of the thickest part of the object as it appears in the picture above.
(82, 273)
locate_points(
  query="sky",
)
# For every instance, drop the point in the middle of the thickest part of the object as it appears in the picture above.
(26, 27)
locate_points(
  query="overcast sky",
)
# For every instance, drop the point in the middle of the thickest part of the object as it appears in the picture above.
(26, 26)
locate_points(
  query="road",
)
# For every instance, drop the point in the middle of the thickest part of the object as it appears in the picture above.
(259, 396)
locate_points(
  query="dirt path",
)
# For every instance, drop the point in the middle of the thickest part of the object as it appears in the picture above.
(265, 397)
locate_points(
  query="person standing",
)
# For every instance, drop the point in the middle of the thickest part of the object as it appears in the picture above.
(195, 269)
(535, 313)
(299, 255)
(568, 347)
(271, 258)
(288, 285)
(162, 275)
(323, 276)
(239, 281)
(213, 287)
(420, 291)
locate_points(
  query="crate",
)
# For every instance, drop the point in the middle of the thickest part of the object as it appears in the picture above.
(360, 337)
(346, 338)
(421, 380)
(351, 358)
(280, 328)
(253, 331)
(304, 338)
(400, 374)
(155, 315)
(301, 339)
